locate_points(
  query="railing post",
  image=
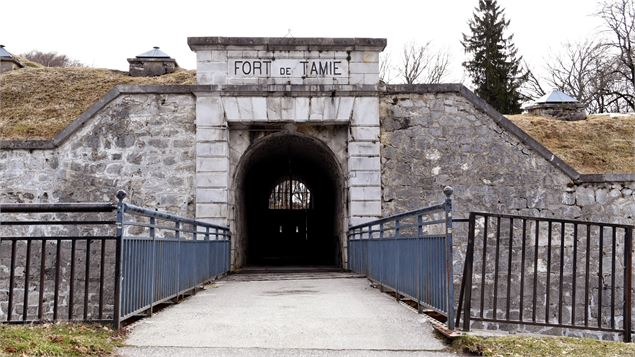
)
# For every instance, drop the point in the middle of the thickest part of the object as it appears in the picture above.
(469, 266)
(628, 279)
(153, 222)
(121, 208)
(177, 235)
(419, 255)
(448, 256)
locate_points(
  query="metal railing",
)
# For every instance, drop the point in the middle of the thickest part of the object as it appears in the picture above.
(411, 254)
(547, 272)
(102, 262)
(58, 249)
(164, 256)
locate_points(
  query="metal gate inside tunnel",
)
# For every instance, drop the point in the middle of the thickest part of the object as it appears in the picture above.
(291, 203)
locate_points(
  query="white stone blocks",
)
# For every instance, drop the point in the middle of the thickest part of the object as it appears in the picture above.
(209, 111)
(363, 68)
(211, 195)
(295, 109)
(364, 178)
(204, 134)
(211, 180)
(212, 210)
(212, 164)
(366, 208)
(286, 67)
(365, 56)
(365, 111)
(364, 193)
(364, 133)
(363, 148)
(211, 149)
(364, 163)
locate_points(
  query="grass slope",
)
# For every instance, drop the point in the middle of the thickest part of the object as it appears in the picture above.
(599, 144)
(513, 346)
(36, 103)
(58, 340)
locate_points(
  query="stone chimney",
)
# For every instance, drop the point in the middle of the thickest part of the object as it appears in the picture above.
(152, 63)
(7, 61)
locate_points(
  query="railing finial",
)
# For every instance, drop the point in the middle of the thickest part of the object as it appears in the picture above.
(121, 194)
(448, 190)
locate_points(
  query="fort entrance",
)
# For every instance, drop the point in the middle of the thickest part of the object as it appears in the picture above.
(287, 138)
(288, 197)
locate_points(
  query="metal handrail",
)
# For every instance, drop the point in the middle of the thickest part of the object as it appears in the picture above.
(415, 265)
(168, 216)
(399, 216)
(56, 207)
(527, 251)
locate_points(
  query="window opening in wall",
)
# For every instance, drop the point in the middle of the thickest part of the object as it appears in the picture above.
(290, 194)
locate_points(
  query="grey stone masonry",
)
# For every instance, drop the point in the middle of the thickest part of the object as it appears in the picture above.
(143, 143)
(263, 60)
(434, 138)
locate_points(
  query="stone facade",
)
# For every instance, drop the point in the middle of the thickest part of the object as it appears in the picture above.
(182, 148)
(288, 61)
(443, 139)
(141, 143)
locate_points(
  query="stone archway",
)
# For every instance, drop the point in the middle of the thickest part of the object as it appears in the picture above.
(290, 203)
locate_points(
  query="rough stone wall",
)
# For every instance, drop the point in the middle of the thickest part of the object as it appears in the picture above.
(142, 143)
(562, 111)
(436, 139)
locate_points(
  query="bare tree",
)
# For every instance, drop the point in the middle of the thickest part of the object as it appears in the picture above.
(532, 88)
(584, 70)
(619, 20)
(386, 73)
(423, 64)
(51, 59)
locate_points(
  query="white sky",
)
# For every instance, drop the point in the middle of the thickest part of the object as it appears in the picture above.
(105, 33)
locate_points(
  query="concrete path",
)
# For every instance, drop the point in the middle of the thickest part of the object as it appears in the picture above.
(288, 315)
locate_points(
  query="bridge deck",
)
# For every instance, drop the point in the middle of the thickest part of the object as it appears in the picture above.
(322, 313)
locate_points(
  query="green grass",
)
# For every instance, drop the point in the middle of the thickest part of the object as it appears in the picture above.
(540, 346)
(58, 340)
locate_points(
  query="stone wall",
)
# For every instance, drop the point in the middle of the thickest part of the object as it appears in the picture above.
(142, 143)
(431, 139)
(562, 111)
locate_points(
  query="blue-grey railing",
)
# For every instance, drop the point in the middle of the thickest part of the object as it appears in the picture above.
(410, 253)
(102, 262)
(164, 256)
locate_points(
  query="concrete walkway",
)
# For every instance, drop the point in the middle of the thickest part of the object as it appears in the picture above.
(288, 315)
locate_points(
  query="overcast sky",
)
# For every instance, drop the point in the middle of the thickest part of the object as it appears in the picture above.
(105, 33)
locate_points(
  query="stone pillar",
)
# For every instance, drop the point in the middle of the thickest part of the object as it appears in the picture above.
(364, 168)
(212, 159)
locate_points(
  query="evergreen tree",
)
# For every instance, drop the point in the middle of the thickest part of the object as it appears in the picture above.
(494, 65)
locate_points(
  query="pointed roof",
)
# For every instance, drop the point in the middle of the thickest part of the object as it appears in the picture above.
(155, 52)
(556, 96)
(4, 53)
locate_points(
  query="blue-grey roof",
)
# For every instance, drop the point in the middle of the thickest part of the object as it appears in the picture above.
(154, 53)
(4, 53)
(556, 96)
